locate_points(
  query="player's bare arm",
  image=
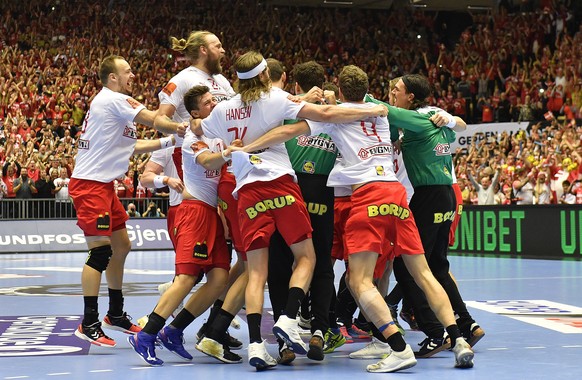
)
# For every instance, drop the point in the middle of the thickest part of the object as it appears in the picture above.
(335, 114)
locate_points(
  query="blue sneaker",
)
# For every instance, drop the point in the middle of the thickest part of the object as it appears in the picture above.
(173, 340)
(143, 345)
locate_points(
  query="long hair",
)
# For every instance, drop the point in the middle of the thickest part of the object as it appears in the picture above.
(191, 46)
(250, 90)
(420, 87)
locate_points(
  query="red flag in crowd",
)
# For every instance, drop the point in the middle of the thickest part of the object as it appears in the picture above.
(549, 115)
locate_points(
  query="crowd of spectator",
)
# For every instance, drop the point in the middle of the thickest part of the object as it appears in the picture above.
(521, 65)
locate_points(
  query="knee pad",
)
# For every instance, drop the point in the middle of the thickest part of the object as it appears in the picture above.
(99, 257)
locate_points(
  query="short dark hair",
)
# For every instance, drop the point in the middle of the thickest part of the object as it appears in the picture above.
(192, 97)
(276, 69)
(309, 74)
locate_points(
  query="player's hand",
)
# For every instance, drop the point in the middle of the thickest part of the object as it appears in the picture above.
(181, 131)
(439, 119)
(237, 143)
(380, 110)
(176, 184)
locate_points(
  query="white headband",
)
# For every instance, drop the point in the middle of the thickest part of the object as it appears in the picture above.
(253, 72)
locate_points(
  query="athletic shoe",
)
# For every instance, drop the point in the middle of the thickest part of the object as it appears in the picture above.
(215, 349)
(304, 323)
(232, 342)
(121, 323)
(333, 339)
(473, 335)
(373, 350)
(173, 340)
(286, 356)
(286, 329)
(432, 346)
(347, 336)
(316, 346)
(463, 354)
(396, 361)
(143, 345)
(162, 288)
(259, 357)
(356, 333)
(394, 313)
(235, 323)
(143, 321)
(410, 319)
(94, 334)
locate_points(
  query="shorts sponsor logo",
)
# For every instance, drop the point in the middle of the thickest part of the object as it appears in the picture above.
(270, 204)
(388, 209)
(201, 251)
(41, 335)
(440, 217)
(223, 205)
(316, 208)
(103, 221)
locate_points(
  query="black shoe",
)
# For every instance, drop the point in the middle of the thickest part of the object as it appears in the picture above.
(201, 333)
(432, 346)
(316, 347)
(232, 342)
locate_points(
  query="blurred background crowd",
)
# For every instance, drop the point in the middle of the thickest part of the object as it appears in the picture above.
(520, 62)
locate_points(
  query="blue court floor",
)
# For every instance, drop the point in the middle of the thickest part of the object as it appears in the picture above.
(531, 311)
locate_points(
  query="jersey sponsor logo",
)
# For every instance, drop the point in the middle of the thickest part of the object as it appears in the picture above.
(380, 170)
(133, 103)
(169, 88)
(442, 149)
(376, 150)
(440, 217)
(198, 145)
(41, 335)
(308, 167)
(270, 204)
(238, 113)
(200, 251)
(83, 144)
(255, 160)
(130, 132)
(317, 142)
(388, 209)
(220, 98)
(212, 173)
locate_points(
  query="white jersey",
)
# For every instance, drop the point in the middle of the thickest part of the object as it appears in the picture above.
(201, 183)
(402, 175)
(163, 157)
(108, 137)
(173, 92)
(365, 147)
(232, 120)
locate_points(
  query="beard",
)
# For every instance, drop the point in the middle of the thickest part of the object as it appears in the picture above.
(213, 66)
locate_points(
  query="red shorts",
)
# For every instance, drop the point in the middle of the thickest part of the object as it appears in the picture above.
(266, 206)
(170, 220)
(459, 199)
(200, 242)
(228, 205)
(99, 210)
(341, 210)
(380, 216)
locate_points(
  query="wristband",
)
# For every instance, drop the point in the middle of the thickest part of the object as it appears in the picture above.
(160, 181)
(166, 142)
(452, 122)
(224, 156)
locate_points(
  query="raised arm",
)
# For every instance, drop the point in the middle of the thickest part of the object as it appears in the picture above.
(336, 114)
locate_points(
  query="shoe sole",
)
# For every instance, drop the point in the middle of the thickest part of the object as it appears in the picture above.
(141, 357)
(260, 364)
(288, 360)
(80, 335)
(209, 350)
(117, 328)
(445, 346)
(476, 338)
(331, 349)
(315, 353)
(405, 365)
(368, 357)
(296, 347)
(465, 361)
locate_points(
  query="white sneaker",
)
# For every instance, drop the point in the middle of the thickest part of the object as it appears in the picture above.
(373, 350)
(259, 357)
(396, 361)
(235, 323)
(287, 330)
(463, 354)
(162, 288)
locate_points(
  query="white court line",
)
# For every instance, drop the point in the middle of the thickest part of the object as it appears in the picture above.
(16, 377)
(183, 365)
(498, 349)
(573, 346)
(534, 347)
(101, 370)
(58, 373)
